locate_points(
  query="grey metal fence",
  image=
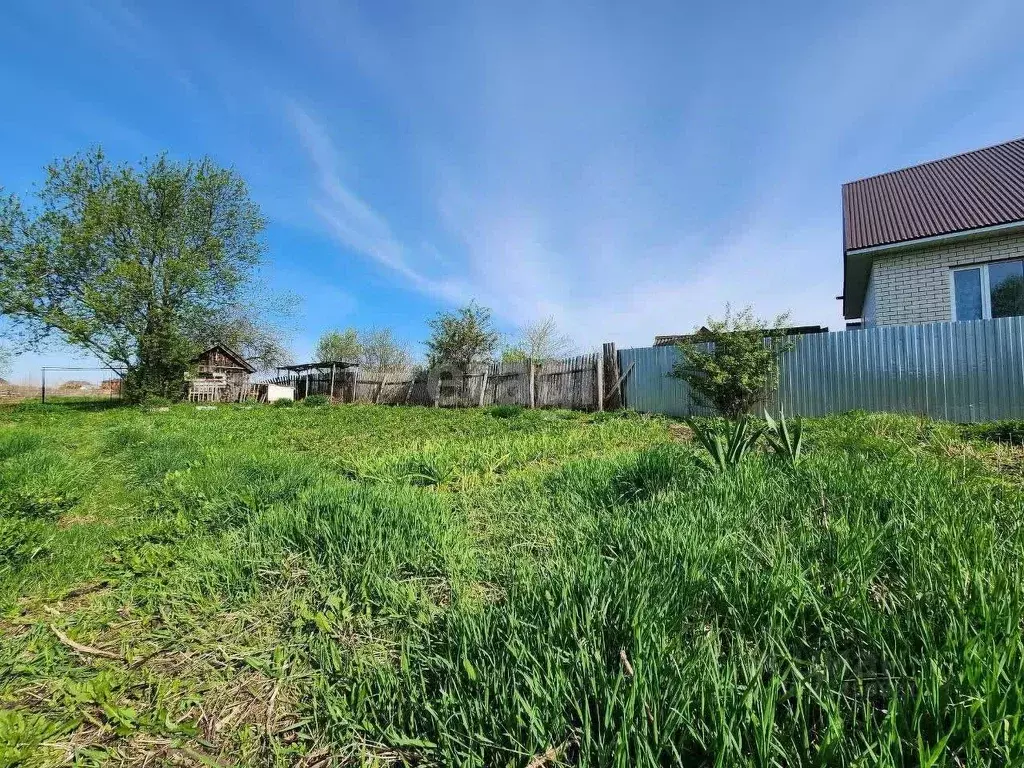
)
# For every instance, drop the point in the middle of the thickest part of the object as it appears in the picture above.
(972, 371)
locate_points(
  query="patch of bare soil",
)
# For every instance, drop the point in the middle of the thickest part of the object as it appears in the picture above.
(680, 432)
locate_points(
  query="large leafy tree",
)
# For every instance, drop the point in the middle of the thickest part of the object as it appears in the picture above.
(463, 337)
(335, 346)
(139, 265)
(383, 354)
(378, 351)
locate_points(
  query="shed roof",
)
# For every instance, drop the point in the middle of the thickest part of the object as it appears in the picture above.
(229, 352)
(320, 366)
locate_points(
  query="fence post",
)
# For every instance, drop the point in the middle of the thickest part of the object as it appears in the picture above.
(533, 383)
(483, 386)
(611, 377)
(599, 375)
(44, 385)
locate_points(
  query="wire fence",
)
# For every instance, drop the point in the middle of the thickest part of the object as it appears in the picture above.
(68, 382)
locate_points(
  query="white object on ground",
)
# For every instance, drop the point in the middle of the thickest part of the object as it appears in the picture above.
(279, 392)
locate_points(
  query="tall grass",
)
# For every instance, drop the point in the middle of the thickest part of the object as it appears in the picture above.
(460, 589)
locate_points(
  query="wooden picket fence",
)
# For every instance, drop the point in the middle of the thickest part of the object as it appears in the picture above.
(571, 383)
(577, 383)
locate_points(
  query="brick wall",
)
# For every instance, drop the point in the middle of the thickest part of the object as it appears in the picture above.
(913, 286)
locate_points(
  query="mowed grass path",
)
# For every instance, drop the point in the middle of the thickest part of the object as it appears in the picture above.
(370, 585)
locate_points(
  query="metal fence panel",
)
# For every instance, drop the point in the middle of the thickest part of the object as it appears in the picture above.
(649, 388)
(972, 371)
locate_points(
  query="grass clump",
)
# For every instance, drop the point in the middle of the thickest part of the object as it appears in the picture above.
(506, 411)
(1009, 431)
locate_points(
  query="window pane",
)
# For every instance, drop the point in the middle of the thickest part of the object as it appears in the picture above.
(1006, 281)
(967, 293)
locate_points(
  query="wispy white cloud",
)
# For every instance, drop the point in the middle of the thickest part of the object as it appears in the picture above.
(628, 170)
(586, 166)
(350, 219)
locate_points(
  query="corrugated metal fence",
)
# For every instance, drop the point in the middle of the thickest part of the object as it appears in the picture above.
(972, 371)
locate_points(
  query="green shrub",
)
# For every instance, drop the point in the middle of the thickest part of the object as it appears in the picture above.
(283, 403)
(1006, 431)
(316, 400)
(728, 365)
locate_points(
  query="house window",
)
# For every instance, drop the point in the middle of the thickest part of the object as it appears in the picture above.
(985, 291)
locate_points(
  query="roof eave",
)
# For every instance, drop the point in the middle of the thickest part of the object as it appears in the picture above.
(857, 261)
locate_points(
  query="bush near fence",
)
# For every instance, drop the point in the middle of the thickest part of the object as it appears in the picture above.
(965, 372)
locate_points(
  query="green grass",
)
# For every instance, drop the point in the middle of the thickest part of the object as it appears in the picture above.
(375, 585)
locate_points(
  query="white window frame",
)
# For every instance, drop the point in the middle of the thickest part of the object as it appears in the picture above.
(986, 296)
(986, 293)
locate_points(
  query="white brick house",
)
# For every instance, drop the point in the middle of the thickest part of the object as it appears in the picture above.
(937, 242)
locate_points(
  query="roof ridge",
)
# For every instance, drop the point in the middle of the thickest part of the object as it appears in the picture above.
(939, 161)
(231, 351)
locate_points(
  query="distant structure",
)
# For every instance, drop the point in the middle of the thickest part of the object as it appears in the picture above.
(219, 374)
(701, 334)
(75, 385)
(334, 378)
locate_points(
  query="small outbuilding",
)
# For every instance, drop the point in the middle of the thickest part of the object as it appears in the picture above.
(333, 378)
(218, 374)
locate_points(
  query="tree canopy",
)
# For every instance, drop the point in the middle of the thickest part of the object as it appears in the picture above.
(542, 340)
(335, 346)
(734, 361)
(377, 350)
(1008, 298)
(139, 265)
(383, 354)
(462, 337)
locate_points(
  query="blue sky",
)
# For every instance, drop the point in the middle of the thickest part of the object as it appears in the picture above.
(625, 167)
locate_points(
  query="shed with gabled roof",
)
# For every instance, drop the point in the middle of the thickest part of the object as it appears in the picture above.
(219, 374)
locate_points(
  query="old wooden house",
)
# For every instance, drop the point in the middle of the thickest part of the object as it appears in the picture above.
(219, 374)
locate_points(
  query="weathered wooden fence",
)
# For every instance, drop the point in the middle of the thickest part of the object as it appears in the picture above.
(402, 388)
(968, 371)
(574, 383)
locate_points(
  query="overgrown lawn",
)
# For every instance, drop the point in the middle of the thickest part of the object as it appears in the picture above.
(374, 585)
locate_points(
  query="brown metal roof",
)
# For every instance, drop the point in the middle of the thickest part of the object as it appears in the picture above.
(968, 191)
